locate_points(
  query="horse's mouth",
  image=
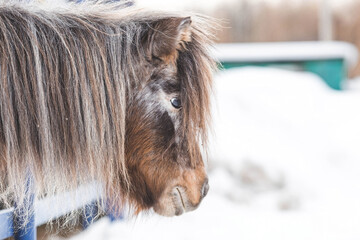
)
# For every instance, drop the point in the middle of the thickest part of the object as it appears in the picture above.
(179, 203)
(175, 203)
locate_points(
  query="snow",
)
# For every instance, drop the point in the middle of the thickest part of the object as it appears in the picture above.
(286, 51)
(284, 164)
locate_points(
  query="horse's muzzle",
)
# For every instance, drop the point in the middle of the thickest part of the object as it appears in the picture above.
(181, 199)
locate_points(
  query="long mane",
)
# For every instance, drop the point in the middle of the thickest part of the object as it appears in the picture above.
(65, 75)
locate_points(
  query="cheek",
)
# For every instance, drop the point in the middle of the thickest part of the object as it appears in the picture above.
(151, 154)
(162, 167)
(165, 129)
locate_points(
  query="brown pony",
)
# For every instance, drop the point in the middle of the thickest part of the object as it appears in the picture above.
(99, 92)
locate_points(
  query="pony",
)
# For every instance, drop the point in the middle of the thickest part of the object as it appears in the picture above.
(100, 92)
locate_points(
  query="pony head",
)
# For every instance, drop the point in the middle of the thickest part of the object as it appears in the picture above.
(167, 117)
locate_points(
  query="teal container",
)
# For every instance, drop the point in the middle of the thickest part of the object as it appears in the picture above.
(332, 71)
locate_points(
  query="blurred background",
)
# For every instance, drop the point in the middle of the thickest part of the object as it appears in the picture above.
(284, 160)
(276, 20)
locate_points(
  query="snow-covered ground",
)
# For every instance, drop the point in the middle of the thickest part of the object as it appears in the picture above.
(284, 164)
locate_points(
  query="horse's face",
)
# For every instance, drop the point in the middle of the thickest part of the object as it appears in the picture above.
(165, 172)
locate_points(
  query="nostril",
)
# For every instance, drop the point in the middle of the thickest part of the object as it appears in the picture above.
(205, 188)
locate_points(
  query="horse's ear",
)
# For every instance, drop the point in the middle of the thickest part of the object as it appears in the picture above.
(167, 37)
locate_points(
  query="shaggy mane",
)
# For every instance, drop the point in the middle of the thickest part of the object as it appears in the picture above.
(66, 73)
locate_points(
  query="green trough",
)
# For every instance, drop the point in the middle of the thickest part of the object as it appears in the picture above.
(330, 60)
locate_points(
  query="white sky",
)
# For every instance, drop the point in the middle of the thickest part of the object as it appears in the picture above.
(209, 4)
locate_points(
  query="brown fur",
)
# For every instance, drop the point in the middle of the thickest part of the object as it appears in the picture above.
(84, 96)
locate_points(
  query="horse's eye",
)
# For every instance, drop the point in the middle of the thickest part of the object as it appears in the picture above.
(176, 103)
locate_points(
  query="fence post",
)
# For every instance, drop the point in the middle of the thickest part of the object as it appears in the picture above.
(25, 231)
(24, 224)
